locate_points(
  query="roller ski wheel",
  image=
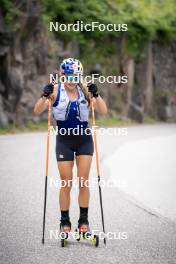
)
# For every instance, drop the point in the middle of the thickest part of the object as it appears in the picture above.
(95, 240)
(84, 233)
(65, 229)
(81, 231)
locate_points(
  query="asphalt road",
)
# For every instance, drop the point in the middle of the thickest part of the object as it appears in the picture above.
(151, 239)
(149, 177)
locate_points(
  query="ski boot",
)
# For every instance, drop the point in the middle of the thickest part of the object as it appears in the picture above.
(65, 228)
(83, 232)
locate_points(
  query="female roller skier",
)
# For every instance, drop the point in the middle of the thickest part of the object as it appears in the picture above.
(70, 109)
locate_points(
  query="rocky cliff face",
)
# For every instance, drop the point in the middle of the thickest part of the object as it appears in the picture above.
(25, 64)
(152, 89)
(164, 81)
(25, 68)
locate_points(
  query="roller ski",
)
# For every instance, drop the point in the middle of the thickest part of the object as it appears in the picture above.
(83, 233)
(65, 229)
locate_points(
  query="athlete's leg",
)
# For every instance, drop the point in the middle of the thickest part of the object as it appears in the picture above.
(83, 168)
(66, 175)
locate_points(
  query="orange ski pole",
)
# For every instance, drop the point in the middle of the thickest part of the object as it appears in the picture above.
(97, 165)
(47, 162)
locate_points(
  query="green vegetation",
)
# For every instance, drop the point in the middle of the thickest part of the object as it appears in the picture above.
(146, 19)
(149, 120)
(101, 122)
(10, 12)
(113, 122)
(29, 127)
(42, 126)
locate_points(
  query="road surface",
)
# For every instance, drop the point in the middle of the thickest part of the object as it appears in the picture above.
(149, 238)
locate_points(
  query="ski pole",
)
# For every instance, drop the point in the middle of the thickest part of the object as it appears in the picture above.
(47, 162)
(97, 166)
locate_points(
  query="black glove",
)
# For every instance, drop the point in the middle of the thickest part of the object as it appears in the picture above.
(48, 90)
(92, 88)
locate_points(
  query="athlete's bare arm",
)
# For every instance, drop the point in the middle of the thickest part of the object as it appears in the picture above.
(42, 103)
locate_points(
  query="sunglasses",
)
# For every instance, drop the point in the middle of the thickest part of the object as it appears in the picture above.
(72, 78)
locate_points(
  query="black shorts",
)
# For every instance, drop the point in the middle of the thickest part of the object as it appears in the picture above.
(67, 146)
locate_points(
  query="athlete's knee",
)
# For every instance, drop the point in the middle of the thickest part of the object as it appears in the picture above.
(83, 183)
(66, 185)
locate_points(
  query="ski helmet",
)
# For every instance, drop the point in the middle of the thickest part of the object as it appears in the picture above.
(71, 66)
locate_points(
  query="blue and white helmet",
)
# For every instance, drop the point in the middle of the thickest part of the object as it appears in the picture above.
(71, 66)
